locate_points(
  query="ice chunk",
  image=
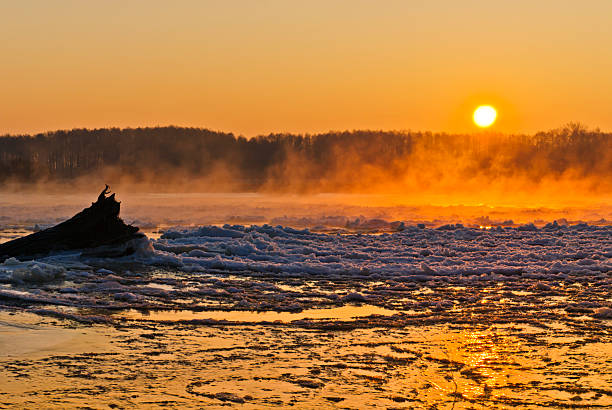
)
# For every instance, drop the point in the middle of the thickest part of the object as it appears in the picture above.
(11, 262)
(30, 271)
(528, 228)
(603, 313)
(127, 297)
(354, 297)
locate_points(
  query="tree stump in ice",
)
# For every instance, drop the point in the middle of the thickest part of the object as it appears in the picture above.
(93, 227)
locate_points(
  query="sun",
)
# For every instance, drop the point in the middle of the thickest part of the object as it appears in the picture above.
(484, 116)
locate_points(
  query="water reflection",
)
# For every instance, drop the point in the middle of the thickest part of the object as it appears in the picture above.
(470, 365)
(485, 357)
(346, 312)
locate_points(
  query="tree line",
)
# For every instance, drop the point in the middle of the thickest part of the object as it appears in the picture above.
(295, 162)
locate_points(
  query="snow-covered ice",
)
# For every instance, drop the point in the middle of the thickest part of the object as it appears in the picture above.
(270, 315)
(264, 267)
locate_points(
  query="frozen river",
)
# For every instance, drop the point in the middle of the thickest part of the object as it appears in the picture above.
(381, 313)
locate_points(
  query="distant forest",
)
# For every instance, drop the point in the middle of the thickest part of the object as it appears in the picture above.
(329, 161)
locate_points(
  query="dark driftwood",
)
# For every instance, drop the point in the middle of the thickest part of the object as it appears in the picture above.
(98, 226)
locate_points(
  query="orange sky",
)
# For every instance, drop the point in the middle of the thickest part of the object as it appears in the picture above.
(253, 67)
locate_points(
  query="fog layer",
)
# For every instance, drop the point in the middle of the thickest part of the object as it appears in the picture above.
(567, 166)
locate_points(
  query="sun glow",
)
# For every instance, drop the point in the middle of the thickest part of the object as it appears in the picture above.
(484, 116)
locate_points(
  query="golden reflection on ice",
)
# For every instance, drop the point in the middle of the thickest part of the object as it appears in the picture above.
(345, 312)
(485, 357)
(456, 366)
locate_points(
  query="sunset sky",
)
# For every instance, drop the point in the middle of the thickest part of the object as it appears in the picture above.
(252, 67)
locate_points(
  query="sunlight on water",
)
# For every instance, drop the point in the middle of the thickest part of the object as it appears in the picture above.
(344, 313)
(446, 366)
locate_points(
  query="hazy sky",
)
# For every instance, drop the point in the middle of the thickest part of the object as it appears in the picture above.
(260, 66)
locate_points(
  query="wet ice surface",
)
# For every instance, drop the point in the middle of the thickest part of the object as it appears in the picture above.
(553, 364)
(276, 316)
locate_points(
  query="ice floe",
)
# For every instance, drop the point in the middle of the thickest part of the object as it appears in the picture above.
(452, 270)
(13, 270)
(450, 250)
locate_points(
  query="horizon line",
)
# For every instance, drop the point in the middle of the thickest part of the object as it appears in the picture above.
(479, 131)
